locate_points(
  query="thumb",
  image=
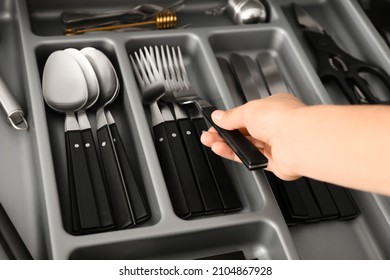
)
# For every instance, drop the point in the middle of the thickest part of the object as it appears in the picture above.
(230, 119)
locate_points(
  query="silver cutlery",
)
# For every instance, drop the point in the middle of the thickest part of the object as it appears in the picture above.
(109, 88)
(271, 72)
(249, 78)
(202, 172)
(245, 150)
(232, 83)
(140, 209)
(11, 108)
(96, 174)
(243, 11)
(65, 90)
(172, 155)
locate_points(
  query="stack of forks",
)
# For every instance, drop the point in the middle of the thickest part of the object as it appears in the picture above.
(196, 178)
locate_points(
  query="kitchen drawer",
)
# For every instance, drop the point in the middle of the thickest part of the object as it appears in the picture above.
(33, 169)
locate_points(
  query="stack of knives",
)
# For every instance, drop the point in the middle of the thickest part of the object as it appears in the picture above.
(304, 200)
(197, 180)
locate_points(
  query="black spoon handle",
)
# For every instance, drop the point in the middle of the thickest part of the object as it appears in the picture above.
(87, 210)
(140, 208)
(99, 187)
(123, 215)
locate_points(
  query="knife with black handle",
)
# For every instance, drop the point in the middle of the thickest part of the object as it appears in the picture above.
(324, 199)
(234, 88)
(121, 208)
(138, 203)
(344, 201)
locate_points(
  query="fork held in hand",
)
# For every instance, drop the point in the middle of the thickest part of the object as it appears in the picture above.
(184, 94)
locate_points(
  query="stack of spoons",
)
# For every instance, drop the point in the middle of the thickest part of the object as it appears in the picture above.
(102, 193)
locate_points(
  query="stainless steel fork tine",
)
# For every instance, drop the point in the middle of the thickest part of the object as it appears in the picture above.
(151, 52)
(166, 73)
(155, 74)
(164, 64)
(144, 76)
(176, 68)
(158, 61)
(137, 73)
(163, 70)
(147, 64)
(170, 65)
(183, 69)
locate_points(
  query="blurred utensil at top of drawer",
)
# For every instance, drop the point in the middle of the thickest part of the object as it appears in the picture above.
(243, 11)
(11, 108)
(163, 20)
(148, 10)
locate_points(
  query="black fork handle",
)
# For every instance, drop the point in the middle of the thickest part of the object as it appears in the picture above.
(244, 149)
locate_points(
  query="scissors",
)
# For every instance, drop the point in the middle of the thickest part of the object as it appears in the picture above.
(336, 65)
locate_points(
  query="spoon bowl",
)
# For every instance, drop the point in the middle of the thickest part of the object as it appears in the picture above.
(63, 84)
(247, 11)
(89, 75)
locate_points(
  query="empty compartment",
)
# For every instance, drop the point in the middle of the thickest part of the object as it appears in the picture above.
(256, 240)
(205, 84)
(121, 112)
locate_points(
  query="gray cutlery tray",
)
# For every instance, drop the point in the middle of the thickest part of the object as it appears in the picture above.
(33, 164)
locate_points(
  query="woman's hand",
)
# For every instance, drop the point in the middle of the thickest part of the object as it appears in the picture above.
(267, 123)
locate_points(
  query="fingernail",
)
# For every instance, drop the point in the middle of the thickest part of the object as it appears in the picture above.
(217, 114)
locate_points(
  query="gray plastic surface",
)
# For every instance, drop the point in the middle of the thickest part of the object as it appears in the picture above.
(33, 164)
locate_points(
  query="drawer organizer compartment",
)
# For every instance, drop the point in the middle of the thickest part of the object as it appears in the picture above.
(258, 228)
(255, 240)
(49, 19)
(102, 208)
(197, 181)
(251, 70)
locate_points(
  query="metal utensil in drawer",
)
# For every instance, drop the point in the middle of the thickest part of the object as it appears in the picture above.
(11, 108)
(184, 94)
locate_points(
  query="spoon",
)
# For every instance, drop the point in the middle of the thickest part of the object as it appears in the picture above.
(65, 90)
(243, 11)
(106, 220)
(100, 61)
